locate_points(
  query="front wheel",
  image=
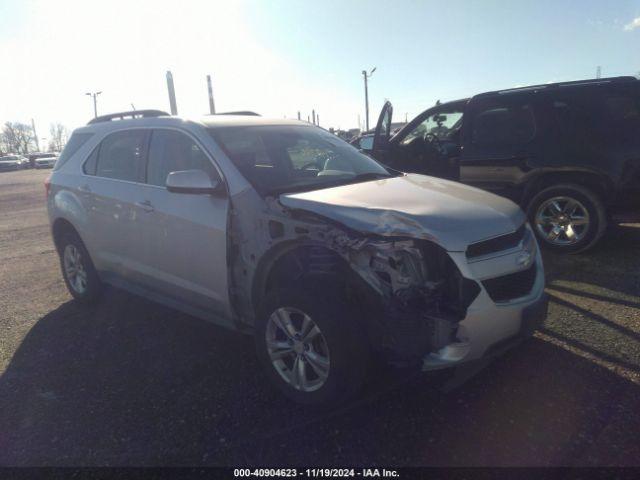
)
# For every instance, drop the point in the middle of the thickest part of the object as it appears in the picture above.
(567, 218)
(311, 346)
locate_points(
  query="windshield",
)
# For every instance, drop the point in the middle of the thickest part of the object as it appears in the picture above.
(277, 159)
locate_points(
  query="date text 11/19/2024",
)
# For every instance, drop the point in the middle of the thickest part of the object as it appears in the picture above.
(316, 472)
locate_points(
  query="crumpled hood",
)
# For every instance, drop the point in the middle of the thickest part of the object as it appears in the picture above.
(448, 213)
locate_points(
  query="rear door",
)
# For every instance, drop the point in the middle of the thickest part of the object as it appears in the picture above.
(500, 143)
(109, 190)
(185, 235)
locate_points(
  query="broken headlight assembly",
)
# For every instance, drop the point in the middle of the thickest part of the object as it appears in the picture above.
(422, 293)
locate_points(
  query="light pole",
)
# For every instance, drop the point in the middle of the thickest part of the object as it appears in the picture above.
(366, 76)
(95, 101)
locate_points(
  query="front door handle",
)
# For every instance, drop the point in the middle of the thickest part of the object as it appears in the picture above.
(146, 206)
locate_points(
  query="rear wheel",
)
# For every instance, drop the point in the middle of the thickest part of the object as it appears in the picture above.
(78, 271)
(310, 345)
(567, 218)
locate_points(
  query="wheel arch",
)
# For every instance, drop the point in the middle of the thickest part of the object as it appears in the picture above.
(60, 227)
(594, 181)
(298, 258)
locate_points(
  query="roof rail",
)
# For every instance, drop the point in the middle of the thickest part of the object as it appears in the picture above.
(241, 112)
(574, 83)
(131, 114)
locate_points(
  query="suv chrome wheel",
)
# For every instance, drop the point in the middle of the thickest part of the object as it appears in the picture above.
(297, 348)
(74, 269)
(562, 220)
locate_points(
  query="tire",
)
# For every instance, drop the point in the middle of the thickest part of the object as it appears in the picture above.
(588, 227)
(347, 348)
(69, 243)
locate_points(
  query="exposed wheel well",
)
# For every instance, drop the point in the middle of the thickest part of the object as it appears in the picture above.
(600, 185)
(60, 228)
(293, 263)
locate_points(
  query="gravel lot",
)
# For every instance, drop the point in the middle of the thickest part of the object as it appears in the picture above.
(131, 383)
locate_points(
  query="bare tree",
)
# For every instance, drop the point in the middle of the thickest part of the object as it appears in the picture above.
(58, 135)
(17, 137)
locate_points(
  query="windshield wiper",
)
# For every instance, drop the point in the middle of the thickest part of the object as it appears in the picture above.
(363, 177)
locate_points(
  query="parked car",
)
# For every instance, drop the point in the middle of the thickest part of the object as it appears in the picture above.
(13, 162)
(47, 159)
(281, 229)
(568, 153)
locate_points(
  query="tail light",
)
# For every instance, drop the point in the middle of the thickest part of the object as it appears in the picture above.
(47, 185)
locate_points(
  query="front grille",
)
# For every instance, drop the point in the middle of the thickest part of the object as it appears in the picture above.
(514, 285)
(497, 244)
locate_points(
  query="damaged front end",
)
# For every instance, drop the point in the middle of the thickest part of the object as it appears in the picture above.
(409, 293)
(421, 295)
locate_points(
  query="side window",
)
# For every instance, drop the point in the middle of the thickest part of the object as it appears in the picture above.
(91, 164)
(620, 118)
(172, 151)
(121, 154)
(443, 125)
(504, 125)
(76, 141)
(573, 118)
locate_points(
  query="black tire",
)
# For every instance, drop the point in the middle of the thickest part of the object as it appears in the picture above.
(592, 203)
(94, 286)
(346, 342)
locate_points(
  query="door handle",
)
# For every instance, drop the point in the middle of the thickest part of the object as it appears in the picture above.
(146, 206)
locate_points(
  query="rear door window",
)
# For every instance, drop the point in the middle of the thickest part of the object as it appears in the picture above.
(121, 155)
(504, 125)
(620, 118)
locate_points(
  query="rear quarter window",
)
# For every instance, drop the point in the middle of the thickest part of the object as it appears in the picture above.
(76, 141)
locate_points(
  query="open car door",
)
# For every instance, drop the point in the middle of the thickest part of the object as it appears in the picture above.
(382, 134)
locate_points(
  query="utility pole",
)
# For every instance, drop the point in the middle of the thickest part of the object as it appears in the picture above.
(598, 71)
(95, 101)
(313, 115)
(172, 94)
(298, 114)
(366, 76)
(318, 119)
(35, 135)
(212, 107)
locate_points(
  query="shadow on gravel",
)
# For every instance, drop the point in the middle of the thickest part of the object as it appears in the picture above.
(132, 383)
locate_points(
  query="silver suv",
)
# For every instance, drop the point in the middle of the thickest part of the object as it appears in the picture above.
(281, 229)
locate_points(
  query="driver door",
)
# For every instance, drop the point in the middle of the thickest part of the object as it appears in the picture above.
(381, 139)
(421, 148)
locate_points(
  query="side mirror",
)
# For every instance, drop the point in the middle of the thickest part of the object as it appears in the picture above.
(195, 182)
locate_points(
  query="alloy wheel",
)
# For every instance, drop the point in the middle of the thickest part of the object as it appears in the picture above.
(74, 269)
(562, 221)
(297, 348)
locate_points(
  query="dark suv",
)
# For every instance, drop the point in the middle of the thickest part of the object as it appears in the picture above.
(568, 153)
